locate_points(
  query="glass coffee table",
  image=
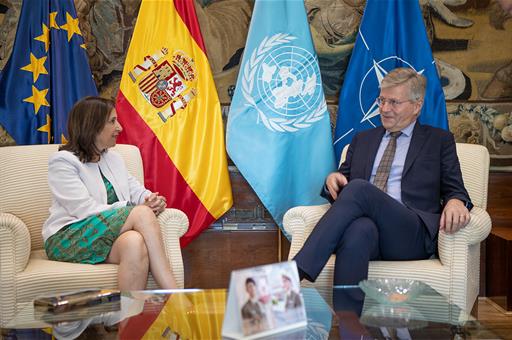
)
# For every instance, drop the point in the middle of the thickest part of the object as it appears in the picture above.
(198, 314)
(158, 314)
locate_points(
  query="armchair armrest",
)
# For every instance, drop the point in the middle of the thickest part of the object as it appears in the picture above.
(299, 222)
(14, 254)
(174, 224)
(14, 244)
(479, 227)
(475, 232)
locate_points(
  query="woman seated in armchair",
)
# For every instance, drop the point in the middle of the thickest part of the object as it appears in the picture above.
(100, 213)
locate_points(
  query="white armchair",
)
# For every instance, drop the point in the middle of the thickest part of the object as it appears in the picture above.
(25, 198)
(455, 274)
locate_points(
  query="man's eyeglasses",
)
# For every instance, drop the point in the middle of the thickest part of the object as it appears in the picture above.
(393, 102)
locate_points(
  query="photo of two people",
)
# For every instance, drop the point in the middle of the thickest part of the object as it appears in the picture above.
(269, 298)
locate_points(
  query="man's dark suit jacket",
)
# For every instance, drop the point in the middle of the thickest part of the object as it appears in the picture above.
(431, 174)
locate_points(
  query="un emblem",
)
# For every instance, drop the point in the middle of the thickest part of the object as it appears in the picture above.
(286, 80)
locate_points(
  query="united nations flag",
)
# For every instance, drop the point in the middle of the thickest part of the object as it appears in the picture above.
(46, 74)
(392, 34)
(278, 131)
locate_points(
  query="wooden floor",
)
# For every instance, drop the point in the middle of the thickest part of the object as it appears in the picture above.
(495, 320)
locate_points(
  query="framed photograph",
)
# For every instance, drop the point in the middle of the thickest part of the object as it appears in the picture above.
(264, 300)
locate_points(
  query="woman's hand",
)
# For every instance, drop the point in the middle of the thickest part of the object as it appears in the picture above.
(156, 203)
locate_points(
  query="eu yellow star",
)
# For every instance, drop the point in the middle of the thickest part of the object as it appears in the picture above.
(44, 38)
(36, 66)
(63, 139)
(53, 20)
(71, 26)
(38, 98)
(48, 330)
(47, 127)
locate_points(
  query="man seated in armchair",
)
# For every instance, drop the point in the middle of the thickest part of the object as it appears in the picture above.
(399, 185)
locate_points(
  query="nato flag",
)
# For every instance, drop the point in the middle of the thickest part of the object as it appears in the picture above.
(392, 34)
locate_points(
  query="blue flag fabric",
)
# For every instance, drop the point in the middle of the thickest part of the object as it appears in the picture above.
(392, 34)
(48, 71)
(278, 131)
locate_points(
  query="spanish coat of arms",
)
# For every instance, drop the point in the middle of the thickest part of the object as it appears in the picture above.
(166, 82)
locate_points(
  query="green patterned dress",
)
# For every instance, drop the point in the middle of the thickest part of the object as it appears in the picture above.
(89, 240)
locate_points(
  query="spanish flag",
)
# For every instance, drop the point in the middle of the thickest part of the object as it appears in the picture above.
(169, 108)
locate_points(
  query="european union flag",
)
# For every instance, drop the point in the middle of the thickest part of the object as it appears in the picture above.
(47, 73)
(392, 34)
(278, 131)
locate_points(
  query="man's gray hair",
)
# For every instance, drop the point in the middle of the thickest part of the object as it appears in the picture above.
(416, 82)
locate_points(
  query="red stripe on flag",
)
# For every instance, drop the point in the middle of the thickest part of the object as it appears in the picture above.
(136, 326)
(160, 173)
(187, 12)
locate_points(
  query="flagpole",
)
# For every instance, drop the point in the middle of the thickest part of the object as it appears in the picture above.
(279, 247)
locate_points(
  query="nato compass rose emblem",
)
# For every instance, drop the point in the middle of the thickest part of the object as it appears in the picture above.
(282, 83)
(371, 84)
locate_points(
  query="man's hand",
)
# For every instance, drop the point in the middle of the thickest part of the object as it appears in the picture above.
(455, 216)
(334, 182)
